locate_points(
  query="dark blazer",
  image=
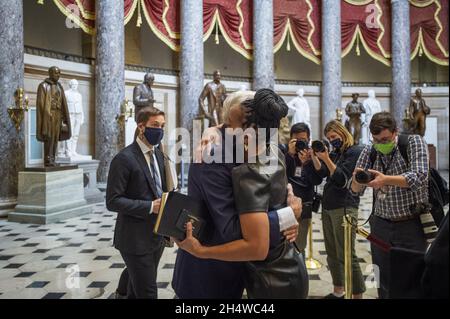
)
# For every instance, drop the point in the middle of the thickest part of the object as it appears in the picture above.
(130, 192)
(206, 278)
(303, 185)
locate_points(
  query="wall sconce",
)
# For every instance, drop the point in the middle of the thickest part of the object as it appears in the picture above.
(126, 112)
(17, 112)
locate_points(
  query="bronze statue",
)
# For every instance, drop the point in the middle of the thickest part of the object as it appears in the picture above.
(143, 94)
(354, 109)
(418, 111)
(215, 92)
(53, 119)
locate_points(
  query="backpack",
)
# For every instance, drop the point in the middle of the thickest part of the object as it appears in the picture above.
(438, 193)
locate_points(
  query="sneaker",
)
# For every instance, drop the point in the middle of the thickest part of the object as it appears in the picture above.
(333, 296)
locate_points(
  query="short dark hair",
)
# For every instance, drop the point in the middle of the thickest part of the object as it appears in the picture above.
(382, 121)
(146, 113)
(300, 128)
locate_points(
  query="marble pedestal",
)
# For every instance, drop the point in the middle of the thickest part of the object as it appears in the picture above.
(50, 195)
(91, 192)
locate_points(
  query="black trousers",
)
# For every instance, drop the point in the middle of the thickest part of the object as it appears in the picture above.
(142, 272)
(405, 234)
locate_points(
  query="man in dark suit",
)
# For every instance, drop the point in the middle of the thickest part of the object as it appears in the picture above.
(136, 182)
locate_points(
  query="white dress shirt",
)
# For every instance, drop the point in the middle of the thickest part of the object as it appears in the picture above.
(145, 150)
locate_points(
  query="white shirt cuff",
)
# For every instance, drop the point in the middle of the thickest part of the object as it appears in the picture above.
(151, 209)
(286, 218)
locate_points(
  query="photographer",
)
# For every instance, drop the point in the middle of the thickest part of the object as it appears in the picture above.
(302, 175)
(400, 190)
(337, 202)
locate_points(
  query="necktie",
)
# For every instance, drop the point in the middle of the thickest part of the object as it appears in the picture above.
(156, 177)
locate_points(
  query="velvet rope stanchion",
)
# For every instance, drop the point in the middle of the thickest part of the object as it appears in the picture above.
(310, 262)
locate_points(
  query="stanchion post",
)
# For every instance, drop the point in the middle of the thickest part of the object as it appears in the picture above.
(310, 262)
(348, 257)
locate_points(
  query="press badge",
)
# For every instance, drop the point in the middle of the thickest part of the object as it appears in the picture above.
(298, 171)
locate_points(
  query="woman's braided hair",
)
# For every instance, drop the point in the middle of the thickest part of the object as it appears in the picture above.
(265, 110)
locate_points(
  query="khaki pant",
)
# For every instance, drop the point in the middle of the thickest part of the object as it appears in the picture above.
(302, 237)
(333, 233)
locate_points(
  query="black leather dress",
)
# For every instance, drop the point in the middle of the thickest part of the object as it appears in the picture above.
(261, 187)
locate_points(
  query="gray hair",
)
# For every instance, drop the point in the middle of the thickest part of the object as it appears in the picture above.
(235, 99)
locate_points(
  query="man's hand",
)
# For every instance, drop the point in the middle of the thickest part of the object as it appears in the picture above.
(156, 206)
(294, 202)
(190, 243)
(304, 156)
(291, 233)
(379, 180)
(292, 151)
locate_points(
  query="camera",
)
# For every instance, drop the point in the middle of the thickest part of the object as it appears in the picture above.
(318, 146)
(301, 145)
(317, 200)
(307, 210)
(364, 177)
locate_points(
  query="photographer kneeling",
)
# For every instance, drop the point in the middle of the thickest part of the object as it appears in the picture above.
(338, 201)
(400, 190)
(302, 175)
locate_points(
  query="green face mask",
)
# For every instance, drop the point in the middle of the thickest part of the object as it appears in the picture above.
(385, 148)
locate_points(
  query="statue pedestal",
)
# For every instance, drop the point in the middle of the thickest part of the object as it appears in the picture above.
(91, 192)
(50, 194)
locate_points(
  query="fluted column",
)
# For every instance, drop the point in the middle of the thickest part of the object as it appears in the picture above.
(191, 75)
(331, 59)
(109, 81)
(401, 63)
(263, 71)
(12, 149)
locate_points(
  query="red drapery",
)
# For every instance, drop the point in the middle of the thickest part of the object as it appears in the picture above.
(365, 24)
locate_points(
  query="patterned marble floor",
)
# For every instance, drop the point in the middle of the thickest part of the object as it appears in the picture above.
(75, 259)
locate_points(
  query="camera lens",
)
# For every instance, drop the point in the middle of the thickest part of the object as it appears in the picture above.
(301, 145)
(364, 177)
(318, 146)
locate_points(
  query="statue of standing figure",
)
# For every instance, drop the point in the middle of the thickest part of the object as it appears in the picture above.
(354, 109)
(301, 108)
(372, 106)
(75, 104)
(143, 94)
(216, 93)
(418, 111)
(53, 119)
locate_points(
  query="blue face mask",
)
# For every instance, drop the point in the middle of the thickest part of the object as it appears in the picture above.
(337, 143)
(154, 135)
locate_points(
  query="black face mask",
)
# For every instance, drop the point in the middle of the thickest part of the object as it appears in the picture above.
(337, 144)
(154, 135)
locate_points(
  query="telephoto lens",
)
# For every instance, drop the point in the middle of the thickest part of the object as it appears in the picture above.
(301, 145)
(318, 146)
(364, 177)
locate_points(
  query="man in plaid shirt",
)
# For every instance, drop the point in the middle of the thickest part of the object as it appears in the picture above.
(399, 187)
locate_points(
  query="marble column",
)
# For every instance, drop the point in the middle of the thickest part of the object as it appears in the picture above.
(191, 74)
(263, 71)
(331, 60)
(12, 145)
(109, 82)
(401, 62)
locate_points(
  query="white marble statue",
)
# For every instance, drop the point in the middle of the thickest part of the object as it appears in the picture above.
(299, 105)
(372, 106)
(68, 150)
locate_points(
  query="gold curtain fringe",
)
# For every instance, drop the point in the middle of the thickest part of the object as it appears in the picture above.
(139, 19)
(216, 38)
(288, 46)
(358, 51)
